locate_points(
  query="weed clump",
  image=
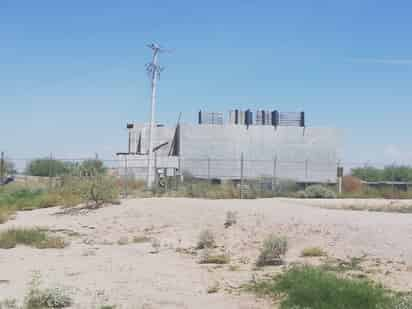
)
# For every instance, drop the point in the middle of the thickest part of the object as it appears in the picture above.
(209, 258)
(30, 237)
(272, 251)
(316, 191)
(313, 252)
(49, 298)
(206, 240)
(311, 287)
(231, 218)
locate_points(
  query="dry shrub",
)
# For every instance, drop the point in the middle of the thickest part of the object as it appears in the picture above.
(93, 191)
(313, 252)
(132, 184)
(316, 191)
(49, 298)
(273, 249)
(231, 218)
(351, 184)
(210, 258)
(206, 240)
(5, 214)
(30, 237)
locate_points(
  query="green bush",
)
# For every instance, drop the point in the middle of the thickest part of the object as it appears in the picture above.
(316, 191)
(26, 199)
(311, 287)
(92, 167)
(274, 247)
(47, 167)
(388, 173)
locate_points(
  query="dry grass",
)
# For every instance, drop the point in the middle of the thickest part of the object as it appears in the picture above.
(274, 247)
(213, 288)
(141, 239)
(313, 252)
(209, 258)
(5, 215)
(30, 237)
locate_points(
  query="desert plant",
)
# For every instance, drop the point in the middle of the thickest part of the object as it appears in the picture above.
(206, 240)
(92, 167)
(214, 288)
(351, 184)
(313, 252)
(319, 191)
(47, 167)
(30, 237)
(273, 249)
(141, 239)
(26, 199)
(5, 214)
(231, 218)
(101, 190)
(9, 304)
(93, 191)
(37, 298)
(311, 287)
(155, 245)
(210, 258)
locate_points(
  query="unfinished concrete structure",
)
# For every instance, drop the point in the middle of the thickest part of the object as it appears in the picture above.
(235, 151)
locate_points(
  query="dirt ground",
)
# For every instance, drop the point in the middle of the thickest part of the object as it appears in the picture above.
(104, 266)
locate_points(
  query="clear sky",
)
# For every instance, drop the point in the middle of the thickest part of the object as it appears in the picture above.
(72, 72)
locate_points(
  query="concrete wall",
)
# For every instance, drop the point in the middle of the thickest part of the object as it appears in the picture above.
(302, 154)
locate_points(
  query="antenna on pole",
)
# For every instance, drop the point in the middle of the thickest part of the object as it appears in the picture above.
(153, 70)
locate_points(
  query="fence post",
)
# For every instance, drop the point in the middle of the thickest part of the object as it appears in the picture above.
(306, 169)
(50, 170)
(340, 175)
(2, 168)
(208, 169)
(241, 174)
(155, 176)
(275, 163)
(180, 165)
(126, 176)
(393, 179)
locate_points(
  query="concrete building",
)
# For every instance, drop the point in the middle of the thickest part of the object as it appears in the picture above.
(210, 151)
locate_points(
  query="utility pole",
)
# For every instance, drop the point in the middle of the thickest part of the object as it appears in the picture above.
(154, 70)
(2, 168)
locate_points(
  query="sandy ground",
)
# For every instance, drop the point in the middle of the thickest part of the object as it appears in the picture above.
(99, 268)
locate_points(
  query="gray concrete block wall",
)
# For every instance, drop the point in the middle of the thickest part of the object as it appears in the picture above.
(302, 154)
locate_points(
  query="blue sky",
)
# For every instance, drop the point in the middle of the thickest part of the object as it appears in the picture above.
(72, 72)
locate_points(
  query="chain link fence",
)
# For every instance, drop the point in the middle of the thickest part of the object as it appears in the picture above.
(240, 176)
